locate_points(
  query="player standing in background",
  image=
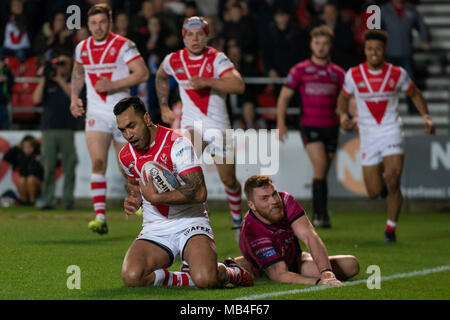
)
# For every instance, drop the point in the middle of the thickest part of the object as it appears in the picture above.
(175, 222)
(319, 82)
(376, 86)
(205, 76)
(109, 64)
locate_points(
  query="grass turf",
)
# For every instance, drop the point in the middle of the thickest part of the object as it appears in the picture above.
(37, 247)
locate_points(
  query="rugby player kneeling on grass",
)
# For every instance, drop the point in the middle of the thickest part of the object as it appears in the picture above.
(175, 222)
(268, 240)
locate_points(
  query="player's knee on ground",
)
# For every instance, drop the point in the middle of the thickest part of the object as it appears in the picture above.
(132, 277)
(98, 165)
(352, 267)
(204, 277)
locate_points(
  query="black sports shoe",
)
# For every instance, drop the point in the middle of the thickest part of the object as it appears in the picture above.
(389, 236)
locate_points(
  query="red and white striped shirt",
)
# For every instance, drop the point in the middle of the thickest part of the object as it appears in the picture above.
(175, 152)
(109, 59)
(206, 104)
(377, 95)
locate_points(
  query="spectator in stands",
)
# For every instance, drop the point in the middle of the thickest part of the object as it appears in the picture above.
(215, 39)
(53, 39)
(154, 46)
(57, 125)
(286, 45)
(240, 28)
(141, 20)
(15, 33)
(122, 25)
(6, 83)
(82, 34)
(399, 18)
(25, 159)
(342, 52)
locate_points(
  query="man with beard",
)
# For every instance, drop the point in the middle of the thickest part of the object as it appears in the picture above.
(268, 240)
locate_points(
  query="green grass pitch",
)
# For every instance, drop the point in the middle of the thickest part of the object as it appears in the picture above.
(37, 247)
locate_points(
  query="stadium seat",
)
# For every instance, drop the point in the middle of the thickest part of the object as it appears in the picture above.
(266, 99)
(14, 64)
(22, 96)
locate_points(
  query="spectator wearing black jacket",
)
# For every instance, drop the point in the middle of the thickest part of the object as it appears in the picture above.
(342, 51)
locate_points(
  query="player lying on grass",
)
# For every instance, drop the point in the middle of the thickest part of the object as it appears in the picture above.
(268, 240)
(175, 222)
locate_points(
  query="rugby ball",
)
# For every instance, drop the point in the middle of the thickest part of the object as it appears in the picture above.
(163, 179)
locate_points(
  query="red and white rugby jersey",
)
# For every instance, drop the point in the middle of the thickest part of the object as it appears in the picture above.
(109, 59)
(174, 151)
(205, 104)
(377, 95)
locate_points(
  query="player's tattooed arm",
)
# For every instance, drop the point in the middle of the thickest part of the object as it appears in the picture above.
(162, 88)
(163, 91)
(77, 80)
(194, 188)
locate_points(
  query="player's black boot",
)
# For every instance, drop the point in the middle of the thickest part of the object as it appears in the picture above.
(325, 221)
(316, 221)
(389, 236)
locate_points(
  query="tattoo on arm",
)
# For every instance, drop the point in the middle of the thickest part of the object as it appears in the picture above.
(162, 88)
(77, 80)
(194, 182)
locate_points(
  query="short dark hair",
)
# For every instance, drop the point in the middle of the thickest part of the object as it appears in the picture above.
(255, 181)
(125, 103)
(100, 8)
(322, 30)
(376, 34)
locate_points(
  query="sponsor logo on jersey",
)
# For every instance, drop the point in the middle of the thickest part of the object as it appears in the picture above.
(310, 69)
(84, 53)
(131, 47)
(322, 73)
(222, 60)
(391, 83)
(91, 122)
(208, 67)
(131, 166)
(112, 51)
(265, 253)
(361, 85)
(179, 71)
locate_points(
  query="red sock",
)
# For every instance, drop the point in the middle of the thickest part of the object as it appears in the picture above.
(234, 275)
(390, 226)
(167, 278)
(98, 191)
(234, 201)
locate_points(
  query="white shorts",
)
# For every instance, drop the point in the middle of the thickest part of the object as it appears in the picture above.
(217, 143)
(374, 149)
(174, 242)
(104, 124)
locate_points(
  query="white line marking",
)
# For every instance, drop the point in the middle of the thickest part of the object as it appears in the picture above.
(346, 284)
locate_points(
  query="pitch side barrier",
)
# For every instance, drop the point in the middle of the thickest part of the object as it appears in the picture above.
(426, 170)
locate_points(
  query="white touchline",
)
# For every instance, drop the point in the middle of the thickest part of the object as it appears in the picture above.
(346, 284)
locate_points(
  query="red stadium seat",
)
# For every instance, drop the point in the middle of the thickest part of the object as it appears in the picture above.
(22, 96)
(14, 64)
(266, 99)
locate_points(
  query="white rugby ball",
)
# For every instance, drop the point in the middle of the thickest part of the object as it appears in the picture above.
(163, 179)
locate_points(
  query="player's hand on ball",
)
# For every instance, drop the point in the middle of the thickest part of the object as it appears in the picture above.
(329, 279)
(104, 85)
(148, 190)
(76, 107)
(167, 115)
